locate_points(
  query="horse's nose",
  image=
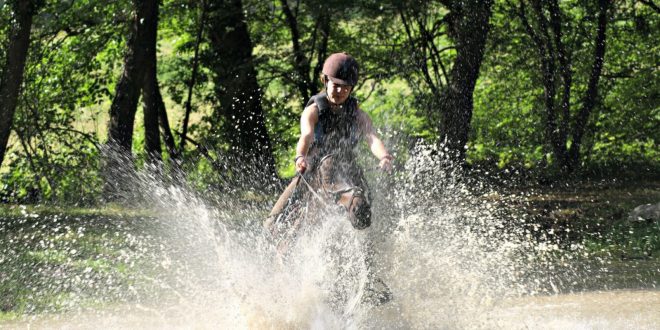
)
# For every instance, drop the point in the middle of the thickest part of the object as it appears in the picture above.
(361, 216)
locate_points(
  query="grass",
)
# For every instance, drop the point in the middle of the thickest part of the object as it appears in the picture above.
(596, 213)
(53, 261)
(41, 210)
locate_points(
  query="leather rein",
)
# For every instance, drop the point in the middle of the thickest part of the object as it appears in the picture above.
(355, 190)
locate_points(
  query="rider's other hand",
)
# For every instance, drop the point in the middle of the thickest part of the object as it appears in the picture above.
(386, 163)
(301, 164)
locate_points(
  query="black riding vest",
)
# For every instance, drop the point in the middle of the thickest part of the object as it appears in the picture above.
(335, 132)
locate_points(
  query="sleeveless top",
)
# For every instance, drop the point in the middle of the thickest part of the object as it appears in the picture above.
(336, 133)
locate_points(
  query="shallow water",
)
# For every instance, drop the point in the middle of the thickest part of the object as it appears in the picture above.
(590, 310)
(451, 259)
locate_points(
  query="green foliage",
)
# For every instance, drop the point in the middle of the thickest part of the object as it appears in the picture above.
(508, 124)
(5, 17)
(78, 46)
(54, 153)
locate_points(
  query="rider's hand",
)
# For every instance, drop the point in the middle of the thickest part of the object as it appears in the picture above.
(301, 164)
(386, 163)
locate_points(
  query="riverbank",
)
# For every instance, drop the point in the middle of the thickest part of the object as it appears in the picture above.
(598, 213)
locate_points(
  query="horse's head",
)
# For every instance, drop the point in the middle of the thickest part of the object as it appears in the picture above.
(337, 180)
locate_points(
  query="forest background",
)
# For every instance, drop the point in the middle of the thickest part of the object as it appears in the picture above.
(212, 90)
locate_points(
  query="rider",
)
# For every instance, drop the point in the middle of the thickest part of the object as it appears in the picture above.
(332, 122)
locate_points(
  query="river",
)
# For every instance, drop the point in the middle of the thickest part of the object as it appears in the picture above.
(449, 259)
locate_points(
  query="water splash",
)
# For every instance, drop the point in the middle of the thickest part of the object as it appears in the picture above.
(447, 252)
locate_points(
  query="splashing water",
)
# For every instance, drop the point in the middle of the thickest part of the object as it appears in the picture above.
(449, 257)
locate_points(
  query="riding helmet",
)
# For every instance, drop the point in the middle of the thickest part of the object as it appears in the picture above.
(341, 68)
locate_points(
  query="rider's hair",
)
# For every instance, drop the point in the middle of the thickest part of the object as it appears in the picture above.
(324, 80)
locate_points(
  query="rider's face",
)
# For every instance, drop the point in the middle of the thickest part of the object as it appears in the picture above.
(338, 93)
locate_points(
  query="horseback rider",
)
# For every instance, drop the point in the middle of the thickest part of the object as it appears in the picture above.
(333, 123)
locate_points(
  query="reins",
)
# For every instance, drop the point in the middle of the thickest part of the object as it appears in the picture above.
(357, 191)
(302, 178)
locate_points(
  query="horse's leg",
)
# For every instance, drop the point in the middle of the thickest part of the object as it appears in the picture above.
(294, 221)
(280, 205)
(376, 292)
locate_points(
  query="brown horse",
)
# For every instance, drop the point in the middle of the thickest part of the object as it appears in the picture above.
(334, 185)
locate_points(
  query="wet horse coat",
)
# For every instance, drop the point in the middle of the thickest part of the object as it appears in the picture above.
(334, 185)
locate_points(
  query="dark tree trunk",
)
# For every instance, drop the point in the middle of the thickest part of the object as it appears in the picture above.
(555, 66)
(165, 128)
(324, 26)
(150, 97)
(468, 27)
(193, 78)
(150, 91)
(564, 69)
(591, 94)
(556, 122)
(306, 85)
(124, 104)
(118, 161)
(237, 90)
(12, 78)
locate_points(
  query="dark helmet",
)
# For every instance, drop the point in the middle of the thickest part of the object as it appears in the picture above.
(342, 69)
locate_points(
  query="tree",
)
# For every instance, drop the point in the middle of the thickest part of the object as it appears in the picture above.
(140, 73)
(237, 91)
(194, 74)
(140, 51)
(151, 109)
(564, 128)
(305, 78)
(12, 77)
(450, 92)
(141, 43)
(150, 92)
(468, 27)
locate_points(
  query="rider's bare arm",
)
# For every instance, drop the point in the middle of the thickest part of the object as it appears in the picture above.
(308, 120)
(376, 145)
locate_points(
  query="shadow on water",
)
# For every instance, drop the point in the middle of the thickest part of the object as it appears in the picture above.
(450, 256)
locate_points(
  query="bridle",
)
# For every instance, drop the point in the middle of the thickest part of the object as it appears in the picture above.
(356, 191)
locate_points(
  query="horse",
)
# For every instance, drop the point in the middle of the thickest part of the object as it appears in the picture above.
(333, 185)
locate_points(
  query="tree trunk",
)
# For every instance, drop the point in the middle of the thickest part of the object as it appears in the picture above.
(552, 51)
(237, 91)
(151, 116)
(468, 27)
(124, 104)
(193, 78)
(12, 78)
(591, 94)
(118, 161)
(301, 63)
(149, 92)
(165, 129)
(324, 25)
